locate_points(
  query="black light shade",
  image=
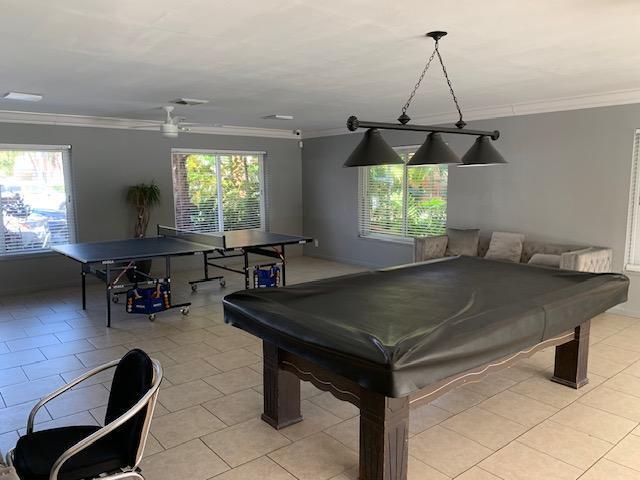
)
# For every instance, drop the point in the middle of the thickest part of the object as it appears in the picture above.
(482, 153)
(433, 151)
(372, 151)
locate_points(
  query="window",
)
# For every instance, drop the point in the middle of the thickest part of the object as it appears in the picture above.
(36, 210)
(632, 256)
(218, 191)
(400, 202)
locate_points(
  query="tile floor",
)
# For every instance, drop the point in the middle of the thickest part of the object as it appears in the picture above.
(513, 425)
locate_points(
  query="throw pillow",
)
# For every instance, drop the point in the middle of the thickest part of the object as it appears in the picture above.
(462, 242)
(505, 246)
(545, 259)
(431, 247)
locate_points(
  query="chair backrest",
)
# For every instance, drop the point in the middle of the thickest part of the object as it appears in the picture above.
(132, 379)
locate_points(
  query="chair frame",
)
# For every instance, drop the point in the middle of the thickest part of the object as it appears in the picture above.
(148, 400)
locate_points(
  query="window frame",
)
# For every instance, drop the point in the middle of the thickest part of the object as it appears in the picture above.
(389, 237)
(632, 247)
(71, 214)
(263, 181)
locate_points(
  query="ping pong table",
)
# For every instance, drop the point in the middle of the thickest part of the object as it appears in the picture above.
(393, 339)
(110, 261)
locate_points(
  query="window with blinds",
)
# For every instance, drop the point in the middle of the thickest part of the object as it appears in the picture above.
(218, 191)
(36, 208)
(632, 254)
(399, 202)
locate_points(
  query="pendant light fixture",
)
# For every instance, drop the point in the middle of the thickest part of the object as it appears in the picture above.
(482, 153)
(373, 150)
(434, 151)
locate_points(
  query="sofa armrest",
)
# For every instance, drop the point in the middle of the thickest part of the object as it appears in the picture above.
(429, 248)
(592, 259)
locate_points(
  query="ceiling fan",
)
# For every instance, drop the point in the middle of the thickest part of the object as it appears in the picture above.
(172, 125)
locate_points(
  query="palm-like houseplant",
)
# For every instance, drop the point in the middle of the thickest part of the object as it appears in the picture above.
(143, 197)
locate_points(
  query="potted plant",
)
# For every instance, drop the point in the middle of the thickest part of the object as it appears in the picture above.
(143, 197)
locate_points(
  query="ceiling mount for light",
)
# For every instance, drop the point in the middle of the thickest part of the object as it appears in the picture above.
(434, 150)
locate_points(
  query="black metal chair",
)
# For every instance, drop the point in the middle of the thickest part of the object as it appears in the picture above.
(111, 452)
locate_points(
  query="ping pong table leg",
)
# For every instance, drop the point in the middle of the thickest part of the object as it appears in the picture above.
(245, 254)
(284, 263)
(281, 391)
(84, 287)
(167, 275)
(384, 437)
(571, 359)
(107, 282)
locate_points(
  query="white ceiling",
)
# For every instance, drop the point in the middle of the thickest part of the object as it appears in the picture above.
(320, 60)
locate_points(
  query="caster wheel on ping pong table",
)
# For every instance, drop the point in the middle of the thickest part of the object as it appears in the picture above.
(184, 311)
(152, 317)
(115, 299)
(222, 282)
(194, 287)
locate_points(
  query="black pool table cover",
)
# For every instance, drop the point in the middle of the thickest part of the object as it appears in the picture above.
(397, 330)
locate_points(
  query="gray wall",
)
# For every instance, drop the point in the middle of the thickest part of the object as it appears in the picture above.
(567, 181)
(105, 161)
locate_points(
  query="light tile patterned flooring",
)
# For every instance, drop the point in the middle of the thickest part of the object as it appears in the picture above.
(512, 425)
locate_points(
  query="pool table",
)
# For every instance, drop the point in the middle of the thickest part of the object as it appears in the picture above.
(392, 339)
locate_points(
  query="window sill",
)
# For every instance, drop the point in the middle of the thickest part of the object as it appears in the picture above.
(388, 239)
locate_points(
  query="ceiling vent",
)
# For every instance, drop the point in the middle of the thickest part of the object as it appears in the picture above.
(189, 101)
(23, 97)
(278, 116)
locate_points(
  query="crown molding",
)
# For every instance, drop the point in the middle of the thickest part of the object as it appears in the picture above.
(10, 116)
(621, 97)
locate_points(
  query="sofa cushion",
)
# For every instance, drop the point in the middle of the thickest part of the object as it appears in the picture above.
(505, 246)
(462, 242)
(427, 248)
(545, 259)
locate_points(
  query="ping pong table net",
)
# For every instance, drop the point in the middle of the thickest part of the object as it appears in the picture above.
(213, 240)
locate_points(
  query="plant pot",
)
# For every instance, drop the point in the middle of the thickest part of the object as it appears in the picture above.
(143, 266)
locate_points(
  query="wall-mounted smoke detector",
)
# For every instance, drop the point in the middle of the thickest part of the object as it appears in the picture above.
(277, 116)
(23, 97)
(189, 101)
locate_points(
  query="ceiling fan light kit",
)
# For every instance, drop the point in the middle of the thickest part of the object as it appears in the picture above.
(434, 151)
(171, 126)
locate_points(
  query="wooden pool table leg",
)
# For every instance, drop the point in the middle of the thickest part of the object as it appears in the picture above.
(571, 359)
(281, 390)
(384, 437)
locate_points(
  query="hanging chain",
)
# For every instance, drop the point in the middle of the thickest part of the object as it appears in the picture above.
(453, 95)
(415, 89)
(404, 118)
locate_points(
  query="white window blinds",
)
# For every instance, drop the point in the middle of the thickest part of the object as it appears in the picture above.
(218, 191)
(400, 202)
(36, 207)
(632, 256)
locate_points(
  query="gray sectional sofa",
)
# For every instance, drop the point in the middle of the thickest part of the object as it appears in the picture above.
(567, 257)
